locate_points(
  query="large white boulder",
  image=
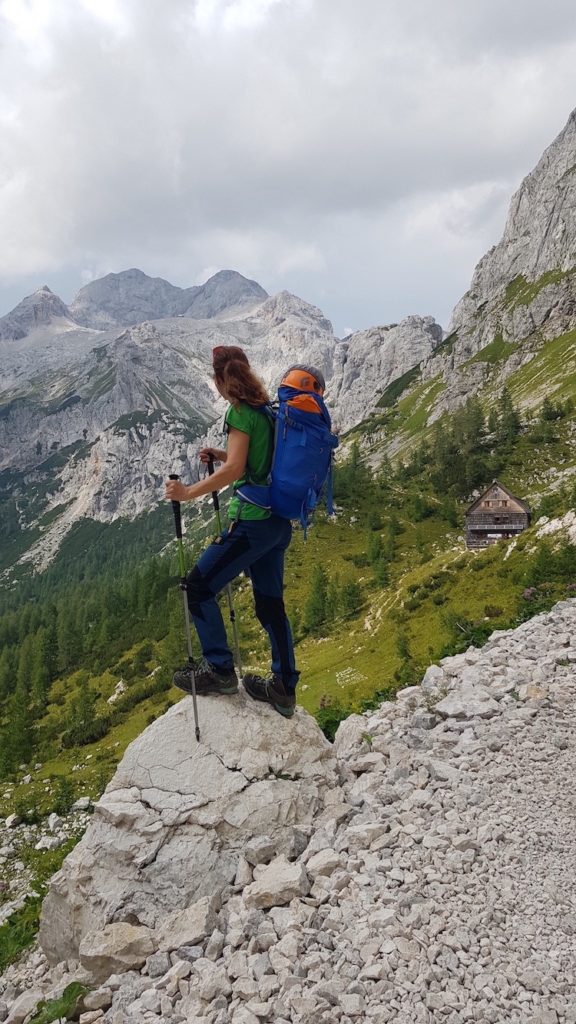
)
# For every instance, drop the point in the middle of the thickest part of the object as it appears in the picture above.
(177, 815)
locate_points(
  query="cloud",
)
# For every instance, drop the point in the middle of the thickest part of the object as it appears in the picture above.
(360, 155)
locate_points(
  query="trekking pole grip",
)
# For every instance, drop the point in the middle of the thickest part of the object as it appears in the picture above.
(177, 510)
(215, 496)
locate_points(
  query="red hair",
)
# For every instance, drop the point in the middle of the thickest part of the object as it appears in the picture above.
(234, 374)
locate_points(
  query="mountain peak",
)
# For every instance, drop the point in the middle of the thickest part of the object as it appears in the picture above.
(538, 245)
(42, 307)
(131, 296)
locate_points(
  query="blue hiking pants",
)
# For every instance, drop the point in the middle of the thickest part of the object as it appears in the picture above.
(256, 547)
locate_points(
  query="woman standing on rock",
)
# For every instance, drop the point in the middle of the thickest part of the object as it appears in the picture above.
(255, 542)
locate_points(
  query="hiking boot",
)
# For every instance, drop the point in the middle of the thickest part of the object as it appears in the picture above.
(271, 691)
(207, 678)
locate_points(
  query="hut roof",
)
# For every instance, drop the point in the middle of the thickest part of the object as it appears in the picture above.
(496, 483)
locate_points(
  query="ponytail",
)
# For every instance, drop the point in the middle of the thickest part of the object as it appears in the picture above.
(233, 372)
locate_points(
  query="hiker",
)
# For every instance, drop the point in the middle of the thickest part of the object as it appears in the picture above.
(255, 542)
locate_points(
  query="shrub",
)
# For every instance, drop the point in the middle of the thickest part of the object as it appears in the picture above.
(26, 807)
(62, 1008)
(360, 561)
(19, 931)
(493, 611)
(329, 715)
(64, 795)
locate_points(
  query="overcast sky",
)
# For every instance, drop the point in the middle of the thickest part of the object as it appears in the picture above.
(361, 154)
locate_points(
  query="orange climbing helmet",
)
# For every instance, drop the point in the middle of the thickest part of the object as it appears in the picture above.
(304, 378)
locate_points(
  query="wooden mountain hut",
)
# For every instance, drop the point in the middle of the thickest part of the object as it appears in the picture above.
(496, 515)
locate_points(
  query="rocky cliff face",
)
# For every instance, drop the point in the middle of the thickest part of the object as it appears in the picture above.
(369, 360)
(523, 291)
(526, 282)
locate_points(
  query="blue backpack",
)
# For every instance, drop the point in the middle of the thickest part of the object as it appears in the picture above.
(302, 458)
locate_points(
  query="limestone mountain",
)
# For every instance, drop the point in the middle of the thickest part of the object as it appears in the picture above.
(93, 419)
(526, 283)
(515, 326)
(41, 309)
(121, 300)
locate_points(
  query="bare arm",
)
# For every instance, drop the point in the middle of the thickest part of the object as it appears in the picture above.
(233, 468)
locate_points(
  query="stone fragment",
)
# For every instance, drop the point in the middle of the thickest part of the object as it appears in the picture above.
(158, 964)
(468, 702)
(83, 803)
(116, 948)
(23, 1006)
(13, 820)
(279, 883)
(48, 843)
(260, 850)
(188, 927)
(531, 691)
(423, 720)
(323, 863)
(243, 875)
(98, 999)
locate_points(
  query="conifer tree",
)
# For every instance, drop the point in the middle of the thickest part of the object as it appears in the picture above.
(375, 548)
(7, 674)
(350, 597)
(24, 672)
(509, 421)
(18, 737)
(69, 645)
(82, 715)
(39, 677)
(50, 646)
(333, 599)
(382, 572)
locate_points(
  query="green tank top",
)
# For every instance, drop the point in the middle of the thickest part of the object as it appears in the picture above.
(246, 418)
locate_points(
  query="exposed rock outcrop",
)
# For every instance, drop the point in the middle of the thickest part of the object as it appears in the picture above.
(538, 246)
(369, 360)
(173, 823)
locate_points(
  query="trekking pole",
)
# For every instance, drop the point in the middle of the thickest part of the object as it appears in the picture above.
(216, 500)
(183, 587)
